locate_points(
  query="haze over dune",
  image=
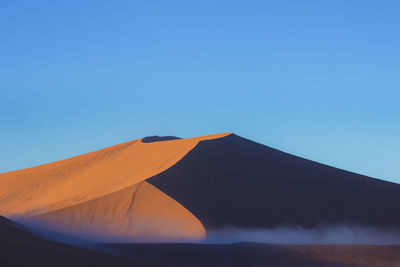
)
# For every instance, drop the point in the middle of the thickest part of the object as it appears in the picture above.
(20, 247)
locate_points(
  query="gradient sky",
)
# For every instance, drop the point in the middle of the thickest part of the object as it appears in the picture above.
(318, 79)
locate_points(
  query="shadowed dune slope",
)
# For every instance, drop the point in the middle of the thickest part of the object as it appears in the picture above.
(21, 248)
(236, 182)
(97, 190)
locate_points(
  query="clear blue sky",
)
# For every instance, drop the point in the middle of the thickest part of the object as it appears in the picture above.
(319, 79)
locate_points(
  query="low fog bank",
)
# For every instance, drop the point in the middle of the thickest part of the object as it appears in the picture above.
(338, 234)
(333, 234)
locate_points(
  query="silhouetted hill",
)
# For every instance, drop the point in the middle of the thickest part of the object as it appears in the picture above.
(232, 181)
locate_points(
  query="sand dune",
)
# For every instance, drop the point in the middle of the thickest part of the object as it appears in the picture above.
(168, 189)
(78, 191)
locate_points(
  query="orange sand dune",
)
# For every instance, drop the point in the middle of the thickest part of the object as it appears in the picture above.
(92, 176)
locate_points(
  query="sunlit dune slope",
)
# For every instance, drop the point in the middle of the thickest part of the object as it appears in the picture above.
(235, 182)
(19, 247)
(97, 176)
(138, 213)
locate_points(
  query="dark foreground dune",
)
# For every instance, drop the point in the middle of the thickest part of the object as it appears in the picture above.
(19, 247)
(257, 255)
(235, 182)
